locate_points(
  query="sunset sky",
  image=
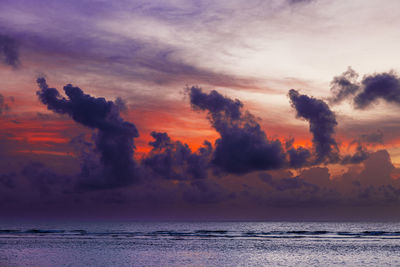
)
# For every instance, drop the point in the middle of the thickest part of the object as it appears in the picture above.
(250, 110)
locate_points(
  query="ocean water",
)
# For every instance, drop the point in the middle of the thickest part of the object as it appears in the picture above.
(199, 244)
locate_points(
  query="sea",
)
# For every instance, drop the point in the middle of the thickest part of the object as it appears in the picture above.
(98, 243)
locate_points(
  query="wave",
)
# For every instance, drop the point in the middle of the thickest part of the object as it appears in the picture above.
(199, 234)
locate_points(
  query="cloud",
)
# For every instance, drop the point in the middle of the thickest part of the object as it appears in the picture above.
(243, 146)
(371, 88)
(9, 53)
(318, 176)
(360, 155)
(377, 169)
(298, 157)
(322, 125)
(132, 58)
(369, 184)
(113, 137)
(384, 86)
(362, 152)
(344, 86)
(175, 160)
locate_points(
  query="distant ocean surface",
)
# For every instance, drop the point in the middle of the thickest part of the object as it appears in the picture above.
(199, 244)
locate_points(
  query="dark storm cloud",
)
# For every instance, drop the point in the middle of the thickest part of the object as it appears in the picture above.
(362, 152)
(298, 157)
(385, 86)
(344, 85)
(322, 124)
(175, 160)
(242, 147)
(113, 138)
(9, 54)
(359, 156)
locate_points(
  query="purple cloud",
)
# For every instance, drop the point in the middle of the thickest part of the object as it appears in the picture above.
(175, 160)
(9, 52)
(243, 146)
(113, 138)
(322, 124)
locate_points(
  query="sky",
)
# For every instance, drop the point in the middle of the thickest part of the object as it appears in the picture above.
(200, 110)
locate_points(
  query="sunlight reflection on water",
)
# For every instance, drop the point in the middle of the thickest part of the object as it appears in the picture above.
(200, 244)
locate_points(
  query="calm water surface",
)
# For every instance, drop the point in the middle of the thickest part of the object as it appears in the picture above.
(199, 244)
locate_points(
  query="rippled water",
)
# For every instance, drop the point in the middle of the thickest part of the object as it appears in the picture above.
(199, 244)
